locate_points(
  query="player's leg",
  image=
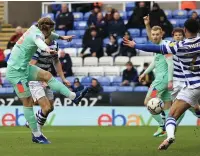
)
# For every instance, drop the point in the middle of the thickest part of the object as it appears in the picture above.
(152, 93)
(177, 86)
(177, 109)
(185, 99)
(46, 104)
(42, 75)
(20, 84)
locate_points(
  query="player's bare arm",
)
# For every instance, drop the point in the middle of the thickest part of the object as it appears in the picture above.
(60, 72)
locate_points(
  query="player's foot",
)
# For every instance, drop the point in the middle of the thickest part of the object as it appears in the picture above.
(40, 140)
(80, 95)
(166, 143)
(159, 132)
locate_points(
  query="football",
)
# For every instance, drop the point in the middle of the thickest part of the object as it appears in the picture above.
(155, 106)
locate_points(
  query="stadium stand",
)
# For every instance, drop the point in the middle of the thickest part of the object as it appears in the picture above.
(103, 67)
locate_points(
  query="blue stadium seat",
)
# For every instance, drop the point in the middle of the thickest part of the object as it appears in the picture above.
(86, 15)
(191, 11)
(80, 25)
(63, 44)
(140, 40)
(10, 90)
(179, 14)
(76, 43)
(144, 33)
(174, 22)
(109, 89)
(120, 40)
(59, 79)
(168, 13)
(134, 32)
(2, 90)
(56, 7)
(130, 6)
(60, 32)
(71, 79)
(105, 41)
(86, 81)
(141, 89)
(104, 81)
(123, 15)
(78, 16)
(125, 89)
(50, 15)
(117, 81)
(129, 14)
(6, 83)
(169, 38)
(74, 32)
(81, 33)
(181, 22)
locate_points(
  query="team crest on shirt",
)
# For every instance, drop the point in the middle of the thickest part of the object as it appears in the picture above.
(172, 44)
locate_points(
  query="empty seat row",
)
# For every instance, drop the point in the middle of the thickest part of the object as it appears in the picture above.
(101, 71)
(180, 13)
(6, 90)
(109, 61)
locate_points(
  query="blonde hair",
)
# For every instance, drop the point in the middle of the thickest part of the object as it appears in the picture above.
(155, 28)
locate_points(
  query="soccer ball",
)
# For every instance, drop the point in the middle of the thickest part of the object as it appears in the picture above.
(155, 106)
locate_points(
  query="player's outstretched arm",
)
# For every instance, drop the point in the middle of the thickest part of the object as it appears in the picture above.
(148, 27)
(170, 48)
(55, 36)
(60, 72)
(147, 71)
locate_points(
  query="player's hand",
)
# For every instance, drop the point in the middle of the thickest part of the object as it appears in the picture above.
(146, 20)
(128, 43)
(50, 51)
(66, 82)
(68, 38)
(170, 85)
(141, 78)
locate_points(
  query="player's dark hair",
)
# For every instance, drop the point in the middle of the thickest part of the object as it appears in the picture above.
(192, 26)
(180, 30)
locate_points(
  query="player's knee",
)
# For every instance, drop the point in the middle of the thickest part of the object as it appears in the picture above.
(47, 76)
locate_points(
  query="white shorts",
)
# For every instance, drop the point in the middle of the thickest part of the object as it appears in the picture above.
(191, 96)
(177, 86)
(38, 90)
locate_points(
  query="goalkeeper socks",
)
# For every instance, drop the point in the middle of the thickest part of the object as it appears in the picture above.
(158, 118)
(170, 127)
(61, 88)
(30, 117)
(180, 119)
(41, 119)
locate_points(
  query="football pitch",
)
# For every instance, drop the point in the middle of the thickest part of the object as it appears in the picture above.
(97, 141)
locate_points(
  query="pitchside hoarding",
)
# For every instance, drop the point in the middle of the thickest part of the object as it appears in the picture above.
(89, 116)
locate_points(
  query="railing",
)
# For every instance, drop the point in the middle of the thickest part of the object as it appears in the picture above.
(45, 5)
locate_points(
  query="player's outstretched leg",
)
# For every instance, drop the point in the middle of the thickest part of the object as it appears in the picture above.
(177, 109)
(60, 87)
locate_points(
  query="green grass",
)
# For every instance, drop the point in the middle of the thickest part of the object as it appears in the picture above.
(97, 141)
